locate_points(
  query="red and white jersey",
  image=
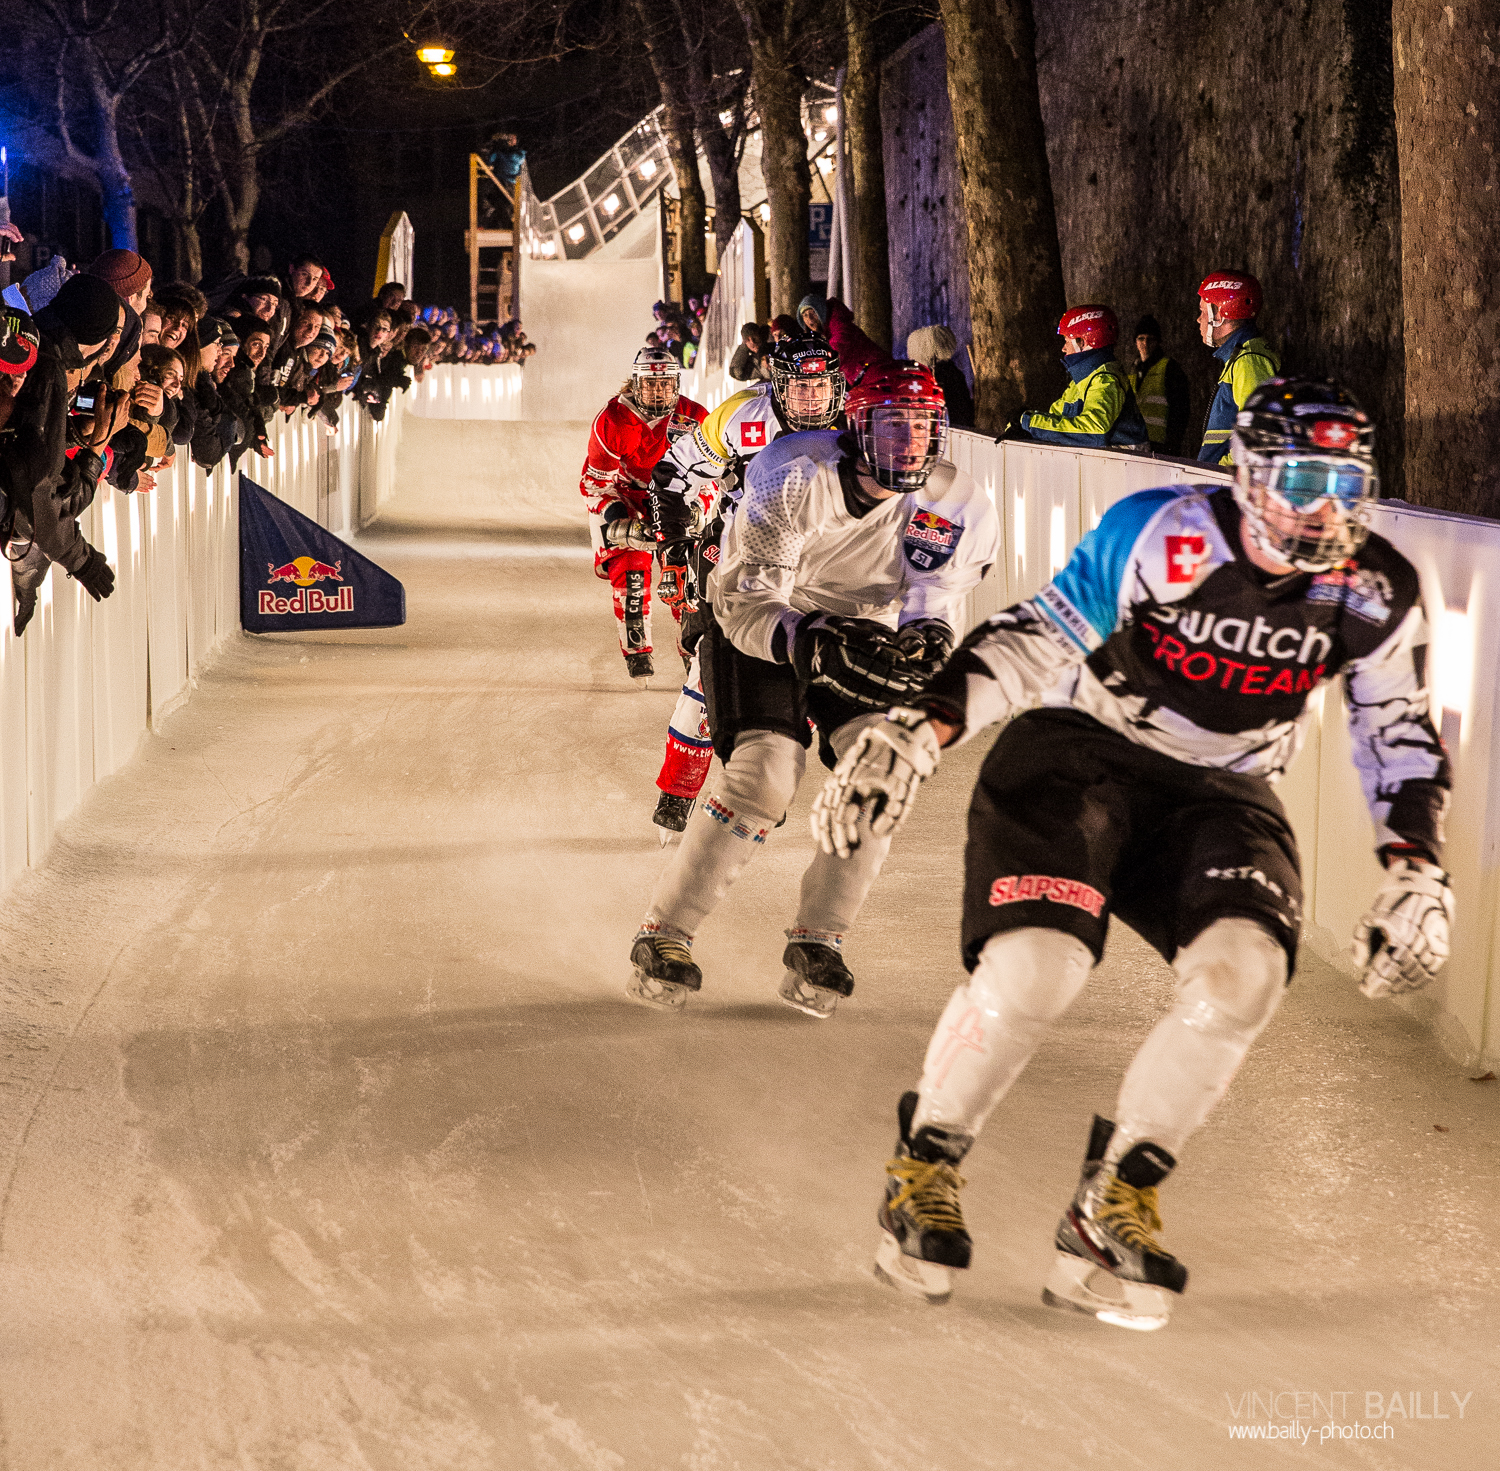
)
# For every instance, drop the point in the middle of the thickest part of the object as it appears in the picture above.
(624, 449)
(794, 547)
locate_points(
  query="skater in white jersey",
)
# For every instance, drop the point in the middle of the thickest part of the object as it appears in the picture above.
(840, 587)
(1172, 658)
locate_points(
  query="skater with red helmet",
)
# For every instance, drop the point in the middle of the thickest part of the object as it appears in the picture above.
(839, 589)
(630, 434)
(1098, 410)
(1228, 304)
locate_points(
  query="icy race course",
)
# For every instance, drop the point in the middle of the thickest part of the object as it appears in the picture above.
(328, 1139)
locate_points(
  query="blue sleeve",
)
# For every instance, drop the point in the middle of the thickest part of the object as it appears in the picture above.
(1084, 598)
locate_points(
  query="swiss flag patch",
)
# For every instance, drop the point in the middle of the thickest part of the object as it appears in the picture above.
(752, 436)
(1185, 554)
(1333, 434)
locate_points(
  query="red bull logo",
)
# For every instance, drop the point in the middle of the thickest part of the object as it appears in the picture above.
(305, 573)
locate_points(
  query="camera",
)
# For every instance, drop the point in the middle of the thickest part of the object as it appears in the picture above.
(84, 403)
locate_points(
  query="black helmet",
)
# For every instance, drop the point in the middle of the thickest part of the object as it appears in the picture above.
(807, 362)
(1305, 452)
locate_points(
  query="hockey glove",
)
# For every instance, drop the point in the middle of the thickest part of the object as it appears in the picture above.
(926, 645)
(624, 532)
(877, 779)
(96, 575)
(1402, 943)
(857, 658)
(672, 589)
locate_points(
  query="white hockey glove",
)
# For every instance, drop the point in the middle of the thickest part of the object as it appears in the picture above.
(878, 779)
(1402, 942)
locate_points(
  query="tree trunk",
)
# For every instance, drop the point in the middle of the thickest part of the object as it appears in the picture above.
(778, 99)
(1447, 114)
(117, 197)
(863, 133)
(659, 27)
(717, 140)
(1015, 265)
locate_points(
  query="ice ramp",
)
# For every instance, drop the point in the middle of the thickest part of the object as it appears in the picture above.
(479, 477)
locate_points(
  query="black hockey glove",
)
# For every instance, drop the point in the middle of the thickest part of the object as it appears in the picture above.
(926, 645)
(856, 658)
(96, 575)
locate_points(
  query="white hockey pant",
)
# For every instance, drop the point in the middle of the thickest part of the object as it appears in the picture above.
(1230, 980)
(759, 781)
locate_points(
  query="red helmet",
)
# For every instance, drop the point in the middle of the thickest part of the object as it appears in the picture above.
(1234, 296)
(900, 422)
(1096, 325)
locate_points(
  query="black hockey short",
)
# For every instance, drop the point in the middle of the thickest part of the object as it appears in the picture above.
(744, 693)
(1070, 822)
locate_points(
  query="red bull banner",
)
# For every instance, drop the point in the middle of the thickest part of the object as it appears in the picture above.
(295, 576)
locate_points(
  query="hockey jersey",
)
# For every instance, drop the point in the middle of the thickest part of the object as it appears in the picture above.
(624, 449)
(1161, 629)
(794, 546)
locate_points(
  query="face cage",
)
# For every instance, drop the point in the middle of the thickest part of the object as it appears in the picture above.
(883, 471)
(654, 405)
(782, 380)
(1307, 545)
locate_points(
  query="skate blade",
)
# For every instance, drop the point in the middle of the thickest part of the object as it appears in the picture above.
(664, 835)
(1079, 1286)
(658, 995)
(810, 1000)
(928, 1280)
(641, 681)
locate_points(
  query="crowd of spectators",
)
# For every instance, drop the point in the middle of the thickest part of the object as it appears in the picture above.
(107, 374)
(678, 329)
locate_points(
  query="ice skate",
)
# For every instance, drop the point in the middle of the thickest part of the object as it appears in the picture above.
(922, 1235)
(640, 668)
(663, 973)
(815, 978)
(671, 816)
(1109, 1262)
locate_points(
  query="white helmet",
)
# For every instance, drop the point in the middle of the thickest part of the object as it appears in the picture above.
(653, 382)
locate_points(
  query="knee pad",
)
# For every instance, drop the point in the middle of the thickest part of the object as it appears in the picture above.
(1231, 978)
(761, 776)
(1029, 976)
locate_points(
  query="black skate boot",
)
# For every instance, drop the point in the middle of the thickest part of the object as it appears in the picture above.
(671, 815)
(664, 971)
(816, 976)
(922, 1228)
(640, 668)
(1109, 1262)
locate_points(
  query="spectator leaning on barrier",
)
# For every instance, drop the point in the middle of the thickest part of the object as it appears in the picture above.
(934, 347)
(1098, 410)
(1161, 389)
(1228, 304)
(19, 341)
(748, 363)
(812, 315)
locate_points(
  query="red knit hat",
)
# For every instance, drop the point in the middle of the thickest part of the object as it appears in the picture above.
(126, 271)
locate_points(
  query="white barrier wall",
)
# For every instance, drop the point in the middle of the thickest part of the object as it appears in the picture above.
(462, 391)
(88, 679)
(1047, 498)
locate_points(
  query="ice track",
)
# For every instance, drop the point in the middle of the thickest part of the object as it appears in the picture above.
(328, 1138)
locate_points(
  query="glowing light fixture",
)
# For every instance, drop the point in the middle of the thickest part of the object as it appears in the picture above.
(830, 114)
(648, 169)
(820, 135)
(1453, 661)
(575, 233)
(765, 214)
(612, 204)
(1059, 539)
(443, 69)
(549, 249)
(434, 53)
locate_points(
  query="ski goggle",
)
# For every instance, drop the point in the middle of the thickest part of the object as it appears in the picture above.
(1304, 484)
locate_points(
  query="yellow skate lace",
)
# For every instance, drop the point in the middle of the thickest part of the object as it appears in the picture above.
(673, 950)
(931, 1191)
(1131, 1214)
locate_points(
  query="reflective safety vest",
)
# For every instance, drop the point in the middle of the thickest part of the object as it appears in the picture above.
(1248, 361)
(1150, 390)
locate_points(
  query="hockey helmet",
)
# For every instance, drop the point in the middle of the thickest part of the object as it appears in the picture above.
(1094, 325)
(1305, 483)
(900, 423)
(806, 380)
(653, 381)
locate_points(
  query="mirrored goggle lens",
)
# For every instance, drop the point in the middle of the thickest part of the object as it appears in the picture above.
(1306, 485)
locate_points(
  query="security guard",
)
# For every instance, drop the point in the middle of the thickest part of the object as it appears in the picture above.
(1228, 302)
(1098, 411)
(1161, 389)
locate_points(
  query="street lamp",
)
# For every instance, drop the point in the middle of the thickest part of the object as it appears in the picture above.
(437, 56)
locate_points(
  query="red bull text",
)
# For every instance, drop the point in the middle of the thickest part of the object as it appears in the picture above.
(303, 572)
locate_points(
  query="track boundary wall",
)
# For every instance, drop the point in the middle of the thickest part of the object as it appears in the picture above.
(88, 680)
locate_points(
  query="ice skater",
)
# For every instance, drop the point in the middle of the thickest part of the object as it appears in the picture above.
(1173, 658)
(630, 434)
(839, 588)
(694, 489)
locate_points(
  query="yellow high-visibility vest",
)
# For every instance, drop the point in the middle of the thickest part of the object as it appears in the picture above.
(1150, 390)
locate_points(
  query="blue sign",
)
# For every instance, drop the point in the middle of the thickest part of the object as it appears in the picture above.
(295, 576)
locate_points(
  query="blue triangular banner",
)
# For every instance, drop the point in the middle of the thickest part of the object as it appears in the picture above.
(295, 576)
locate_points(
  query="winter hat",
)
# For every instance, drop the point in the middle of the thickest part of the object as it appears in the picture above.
(1148, 326)
(126, 271)
(19, 341)
(87, 307)
(227, 337)
(325, 339)
(211, 330)
(41, 286)
(931, 344)
(259, 286)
